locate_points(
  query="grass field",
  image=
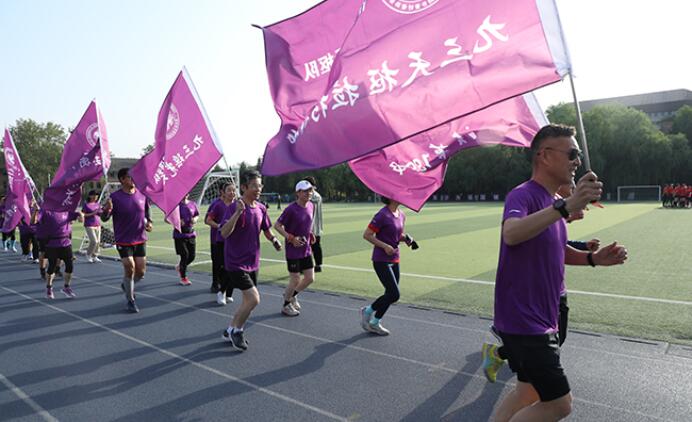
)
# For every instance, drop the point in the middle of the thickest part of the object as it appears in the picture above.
(459, 247)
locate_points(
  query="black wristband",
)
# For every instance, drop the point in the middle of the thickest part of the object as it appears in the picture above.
(589, 257)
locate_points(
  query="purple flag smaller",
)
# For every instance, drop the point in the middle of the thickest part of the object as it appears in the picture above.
(185, 149)
(19, 186)
(86, 156)
(412, 170)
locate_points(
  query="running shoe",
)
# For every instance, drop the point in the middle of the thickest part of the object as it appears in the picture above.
(294, 302)
(491, 361)
(364, 318)
(90, 260)
(67, 291)
(49, 293)
(35, 261)
(378, 329)
(185, 281)
(289, 310)
(236, 339)
(221, 298)
(132, 307)
(96, 259)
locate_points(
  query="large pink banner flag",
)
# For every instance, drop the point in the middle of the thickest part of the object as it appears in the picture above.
(412, 170)
(86, 157)
(185, 149)
(19, 186)
(348, 78)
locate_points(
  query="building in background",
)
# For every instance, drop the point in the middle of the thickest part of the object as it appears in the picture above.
(659, 106)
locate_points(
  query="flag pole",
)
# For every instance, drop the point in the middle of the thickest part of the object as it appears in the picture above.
(580, 122)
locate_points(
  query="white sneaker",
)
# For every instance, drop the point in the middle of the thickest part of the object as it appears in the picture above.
(294, 302)
(35, 261)
(90, 259)
(96, 259)
(221, 298)
(378, 329)
(289, 310)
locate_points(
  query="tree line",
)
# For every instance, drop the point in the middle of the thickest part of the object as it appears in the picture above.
(625, 147)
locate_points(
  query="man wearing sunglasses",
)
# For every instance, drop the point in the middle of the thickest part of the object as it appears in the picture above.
(533, 254)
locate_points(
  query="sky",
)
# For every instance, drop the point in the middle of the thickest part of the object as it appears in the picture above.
(55, 56)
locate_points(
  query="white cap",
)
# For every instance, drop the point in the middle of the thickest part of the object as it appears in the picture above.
(303, 185)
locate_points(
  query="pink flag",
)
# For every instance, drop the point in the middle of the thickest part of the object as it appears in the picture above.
(19, 187)
(367, 75)
(185, 149)
(86, 156)
(412, 170)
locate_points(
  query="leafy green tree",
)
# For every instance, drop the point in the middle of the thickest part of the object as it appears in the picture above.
(682, 122)
(40, 147)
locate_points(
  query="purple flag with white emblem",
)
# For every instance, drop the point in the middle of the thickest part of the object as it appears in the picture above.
(351, 77)
(86, 156)
(185, 149)
(412, 170)
(19, 186)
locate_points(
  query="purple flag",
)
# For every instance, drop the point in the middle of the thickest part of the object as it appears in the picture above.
(349, 78)
(86, 156)
(185, 149)
(19, 187)
(412, 170)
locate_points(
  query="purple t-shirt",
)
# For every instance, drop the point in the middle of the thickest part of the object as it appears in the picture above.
(187, 213)
(298, 222)
(242, 248)
(94, 220)
(130, 213)
(530, 274)
(388, 228)
(216, 211)
(56, 228)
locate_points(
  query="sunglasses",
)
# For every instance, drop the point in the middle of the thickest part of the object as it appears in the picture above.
(572, 153)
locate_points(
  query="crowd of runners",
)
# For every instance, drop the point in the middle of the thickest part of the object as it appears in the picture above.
(531, 311)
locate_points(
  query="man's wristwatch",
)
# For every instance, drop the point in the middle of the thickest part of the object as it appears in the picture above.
(561, 206)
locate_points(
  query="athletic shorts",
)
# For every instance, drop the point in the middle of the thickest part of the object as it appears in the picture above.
(42, 245)
(536, 360)
(136, 251)
(241, 280)
(300, 265)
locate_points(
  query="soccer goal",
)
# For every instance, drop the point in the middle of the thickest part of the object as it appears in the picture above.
(639, 193)
(209, 188)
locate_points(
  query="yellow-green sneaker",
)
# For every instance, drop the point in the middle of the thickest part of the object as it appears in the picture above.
(491, 361)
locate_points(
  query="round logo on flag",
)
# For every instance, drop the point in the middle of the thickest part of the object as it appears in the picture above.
(92, 134)
(10, 158)
(173, 123)
(409, 7)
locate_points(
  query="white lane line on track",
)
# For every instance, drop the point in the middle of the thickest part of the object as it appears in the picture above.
(378, 353)
(186, 360)
(43, 413)
(480, 282)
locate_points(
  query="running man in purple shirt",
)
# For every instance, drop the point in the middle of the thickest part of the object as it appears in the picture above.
(57, 231)
(295, 225)
(241, 227)
(92, 225)
(215, 214)
(385, 232)
(533, 253)
(185, 239)
(131, 221)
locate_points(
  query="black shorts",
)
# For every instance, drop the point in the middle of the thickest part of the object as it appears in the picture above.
(42, 245)
(136, 251)
(300, 265)
(536, 360)
(241, 280)
(184, 245)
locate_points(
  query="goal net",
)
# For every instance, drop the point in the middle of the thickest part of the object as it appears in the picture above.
(639, 193)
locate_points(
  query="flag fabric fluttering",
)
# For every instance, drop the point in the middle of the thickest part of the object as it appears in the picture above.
(185, 149)
(19, 186)
(86, 156)
(412, 170)
(366, 75)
